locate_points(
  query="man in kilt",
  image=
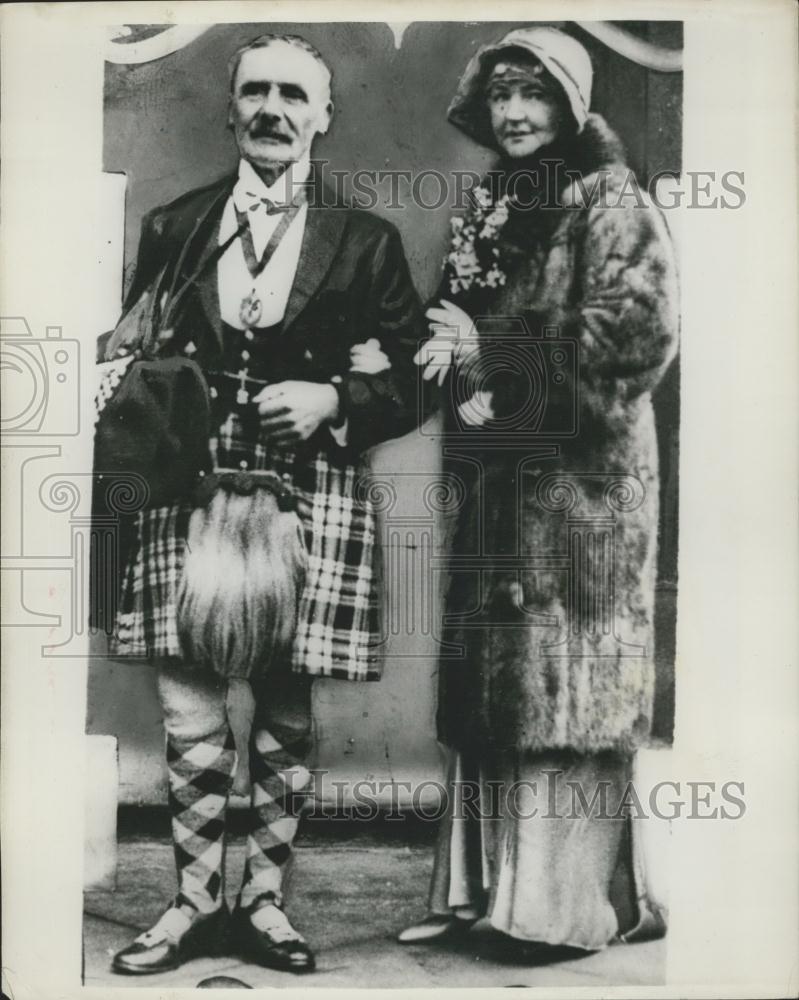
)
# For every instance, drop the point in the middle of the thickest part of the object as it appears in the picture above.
(302, 316)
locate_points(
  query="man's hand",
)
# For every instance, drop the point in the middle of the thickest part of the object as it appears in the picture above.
(292, 411)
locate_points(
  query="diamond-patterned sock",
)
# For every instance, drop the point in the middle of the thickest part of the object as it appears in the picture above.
(279, 787)
(200, 779)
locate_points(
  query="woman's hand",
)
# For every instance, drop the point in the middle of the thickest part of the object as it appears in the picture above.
(478, 410)
(368, 358)
(291, 411)
(453, 345)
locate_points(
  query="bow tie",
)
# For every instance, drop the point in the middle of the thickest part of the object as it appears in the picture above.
(272, 207)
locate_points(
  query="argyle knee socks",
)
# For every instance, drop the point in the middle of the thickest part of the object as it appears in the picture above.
(279, 787)
(200, 779)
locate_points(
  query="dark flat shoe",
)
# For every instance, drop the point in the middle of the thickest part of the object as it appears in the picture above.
(262, 948)
(151, 953)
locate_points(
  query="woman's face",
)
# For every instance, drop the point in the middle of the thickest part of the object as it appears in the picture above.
(525, 115)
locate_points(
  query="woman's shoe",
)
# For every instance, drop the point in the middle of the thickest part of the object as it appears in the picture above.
(173, 940)
(436, 927)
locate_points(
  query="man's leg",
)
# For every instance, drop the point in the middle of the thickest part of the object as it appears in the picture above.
(200, 761)
(279, 744)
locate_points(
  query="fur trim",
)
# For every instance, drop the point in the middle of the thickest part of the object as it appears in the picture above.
(596, 165)
(597, 147)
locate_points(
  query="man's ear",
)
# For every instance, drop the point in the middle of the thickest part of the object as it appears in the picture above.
(327, 117)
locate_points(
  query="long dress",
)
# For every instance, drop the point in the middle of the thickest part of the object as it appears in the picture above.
(516, 844)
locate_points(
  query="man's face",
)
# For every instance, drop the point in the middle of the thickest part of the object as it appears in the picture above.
(280, 99)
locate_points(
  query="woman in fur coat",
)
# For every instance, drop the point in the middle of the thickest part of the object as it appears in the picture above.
(557, 319)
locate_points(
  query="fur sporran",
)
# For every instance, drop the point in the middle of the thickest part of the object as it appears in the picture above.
(244, 569)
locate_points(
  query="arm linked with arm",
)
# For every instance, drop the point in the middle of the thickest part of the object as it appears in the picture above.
(384, 405)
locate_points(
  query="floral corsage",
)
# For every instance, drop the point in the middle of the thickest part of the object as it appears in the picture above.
(473, 260)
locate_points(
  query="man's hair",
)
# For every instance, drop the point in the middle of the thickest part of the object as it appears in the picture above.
(262, 41)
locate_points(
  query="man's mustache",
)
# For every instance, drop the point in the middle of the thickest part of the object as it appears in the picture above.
(263, 130)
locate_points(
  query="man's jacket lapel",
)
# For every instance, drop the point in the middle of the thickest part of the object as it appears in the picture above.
(200, 243)
(324, 228)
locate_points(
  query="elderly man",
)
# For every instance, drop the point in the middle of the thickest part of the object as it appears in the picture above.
(303, 311)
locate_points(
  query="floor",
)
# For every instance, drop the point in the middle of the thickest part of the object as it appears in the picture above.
(350, 897)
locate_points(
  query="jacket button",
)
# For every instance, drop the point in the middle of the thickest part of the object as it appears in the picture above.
(308, 356)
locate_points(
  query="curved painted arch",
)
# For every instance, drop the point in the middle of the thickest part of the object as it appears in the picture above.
(171, 39)
(148, 49)
(636, 49)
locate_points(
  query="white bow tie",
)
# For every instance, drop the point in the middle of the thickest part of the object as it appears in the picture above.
(249, 201)
(257, 202)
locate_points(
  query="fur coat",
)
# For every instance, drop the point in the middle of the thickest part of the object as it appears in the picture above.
(548, 630)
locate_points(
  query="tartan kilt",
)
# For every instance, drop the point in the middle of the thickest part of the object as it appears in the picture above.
(339, 621)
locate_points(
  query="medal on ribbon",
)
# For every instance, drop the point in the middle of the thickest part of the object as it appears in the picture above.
(250, 310)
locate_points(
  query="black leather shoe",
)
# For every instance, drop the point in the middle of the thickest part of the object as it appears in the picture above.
(278, 948)
(162, 948)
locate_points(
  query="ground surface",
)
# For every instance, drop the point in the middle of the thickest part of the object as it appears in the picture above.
(350, 898)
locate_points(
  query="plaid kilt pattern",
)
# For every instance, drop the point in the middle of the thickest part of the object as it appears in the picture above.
(339, 623)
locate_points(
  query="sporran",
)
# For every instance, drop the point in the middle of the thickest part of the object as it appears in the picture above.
(243, 573)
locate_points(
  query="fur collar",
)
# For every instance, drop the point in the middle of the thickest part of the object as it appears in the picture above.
(597, 147)
(597, 153)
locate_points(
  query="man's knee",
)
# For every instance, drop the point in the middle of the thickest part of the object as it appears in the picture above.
(192, 703)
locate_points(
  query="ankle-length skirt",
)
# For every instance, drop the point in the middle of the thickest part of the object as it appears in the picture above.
(542, 844)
